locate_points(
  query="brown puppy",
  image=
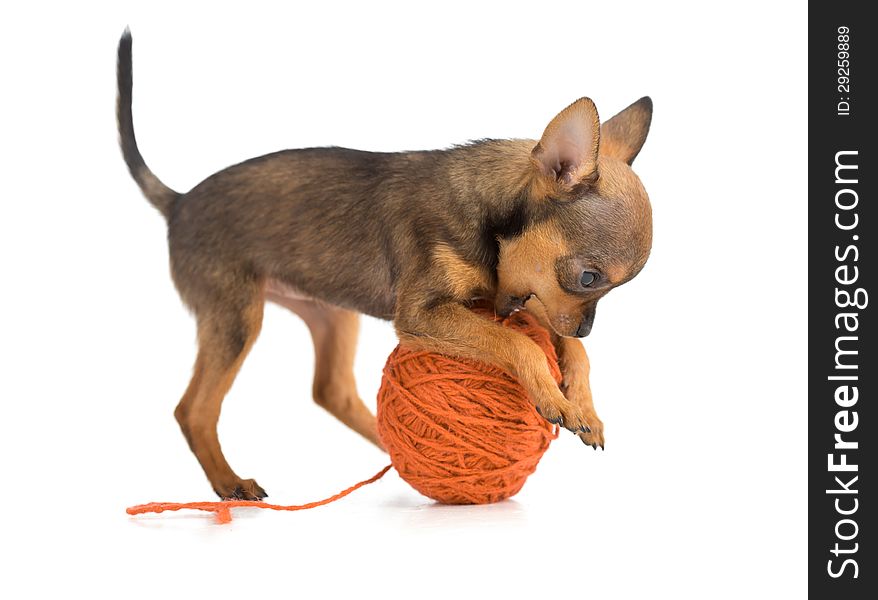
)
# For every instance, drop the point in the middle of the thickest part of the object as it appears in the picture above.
(414, 237)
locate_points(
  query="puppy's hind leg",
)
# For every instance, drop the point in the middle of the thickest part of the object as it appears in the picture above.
(225, 336)
(334, 332)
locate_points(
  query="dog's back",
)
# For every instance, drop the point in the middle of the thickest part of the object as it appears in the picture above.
(285, 216)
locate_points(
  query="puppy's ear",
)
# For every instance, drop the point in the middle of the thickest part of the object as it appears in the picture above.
(568, 151)
(622, 136)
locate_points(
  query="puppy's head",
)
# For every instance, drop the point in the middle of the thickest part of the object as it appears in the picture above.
(593, 229)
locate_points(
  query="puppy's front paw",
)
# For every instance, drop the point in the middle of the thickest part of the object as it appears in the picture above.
(594, 434)
(240, 489)
(558, 410)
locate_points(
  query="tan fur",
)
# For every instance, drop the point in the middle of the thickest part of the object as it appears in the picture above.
(575, 368)
(199, 410)
(527, 265)
(464, 280)
(616, 272)
(334, 332)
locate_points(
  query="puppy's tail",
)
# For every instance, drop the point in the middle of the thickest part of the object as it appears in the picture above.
(159, 195)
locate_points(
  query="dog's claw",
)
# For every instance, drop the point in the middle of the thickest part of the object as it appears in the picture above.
(558, 421)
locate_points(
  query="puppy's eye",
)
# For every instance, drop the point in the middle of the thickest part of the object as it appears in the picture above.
(587, 278)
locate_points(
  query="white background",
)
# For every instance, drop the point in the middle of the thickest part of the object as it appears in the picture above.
(698, 364)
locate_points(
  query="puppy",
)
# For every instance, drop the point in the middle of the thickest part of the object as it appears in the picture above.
(413, 237)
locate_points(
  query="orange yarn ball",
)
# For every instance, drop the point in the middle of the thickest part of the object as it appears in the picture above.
(461, 431)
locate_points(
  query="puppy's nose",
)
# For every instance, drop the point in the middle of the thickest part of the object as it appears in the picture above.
(584, 328)
(586, 323)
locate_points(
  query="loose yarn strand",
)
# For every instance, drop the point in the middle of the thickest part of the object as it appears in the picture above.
(222, 509)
